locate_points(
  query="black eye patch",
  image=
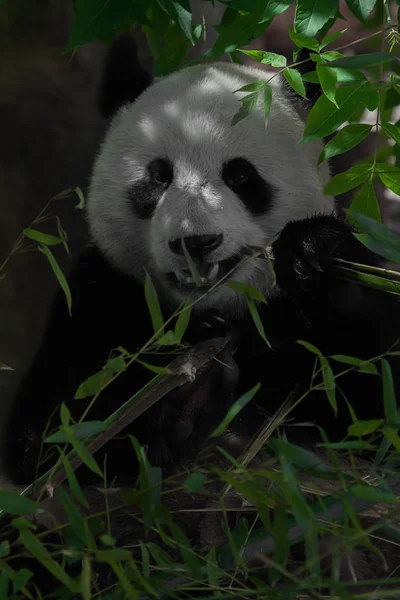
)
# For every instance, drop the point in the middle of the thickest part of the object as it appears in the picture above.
(160, 172)
(146, 193)
(243, 178)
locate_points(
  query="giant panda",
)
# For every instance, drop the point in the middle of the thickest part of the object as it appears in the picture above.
(174, 172)
(171, 167)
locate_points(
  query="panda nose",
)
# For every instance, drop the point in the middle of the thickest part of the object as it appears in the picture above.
(197, 245)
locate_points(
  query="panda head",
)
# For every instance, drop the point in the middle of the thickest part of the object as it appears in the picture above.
(172, 166)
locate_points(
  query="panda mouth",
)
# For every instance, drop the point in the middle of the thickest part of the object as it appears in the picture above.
(209, 274)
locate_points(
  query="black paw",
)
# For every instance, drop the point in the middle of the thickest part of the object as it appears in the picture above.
(304, 250)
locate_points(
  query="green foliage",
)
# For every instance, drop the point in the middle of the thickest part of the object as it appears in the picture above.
(346, 139)
(377, 237)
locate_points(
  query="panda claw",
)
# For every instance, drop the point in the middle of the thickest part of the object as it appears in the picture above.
(315, 265)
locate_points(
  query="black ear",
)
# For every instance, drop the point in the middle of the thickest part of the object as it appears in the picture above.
(313, 90)
(123, 77)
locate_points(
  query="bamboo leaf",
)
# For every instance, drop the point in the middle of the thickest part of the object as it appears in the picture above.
(43, 238)
(153, 305)
(346, 139)
(59, 274)
(14, 504)
(235, 410)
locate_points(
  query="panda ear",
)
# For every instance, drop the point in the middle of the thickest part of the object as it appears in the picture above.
(123, 79)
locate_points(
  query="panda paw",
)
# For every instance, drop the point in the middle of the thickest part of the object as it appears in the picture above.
(304, 249)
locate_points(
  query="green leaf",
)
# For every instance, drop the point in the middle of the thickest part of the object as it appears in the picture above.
(14, 504)
(81, 431)
(363, 366)
(328, 80)
(180, 12)
(311, 15)
(392, 437)
(116, 364)
(361, 61)
(325, 117)
(373, 494)
(330, 55)
(266, 58)
(346, 139)
(393, 131)
(38, 551)
(65, 414)
(97, 19)
(249, 103)
(361, 8)
(247, 290)
(390, 176)
(275, 8)
(4, 583)
(183, 321)
(370, 98)
(294, 79)
(43, 238)
(59, 274)
(361, 428)
(188, 555)
(74, 517)
(389, 394)
(303, 41)
(378, 237)
(82, 451)
(300, 457)
(235, 409)
(4, 549)
(365, 201)
(154, 368)
(73, 482)
(153, 306)
(240, 32)
(192, 267)
(331, 38)
(255, 86)
(343, 182)
(329, 382)
(310, 347)
(20, 580)
(93, 384)
(172, 53)
(257, 321)
(213, 573)
(195, 482)
(349, 445)
(168, 339)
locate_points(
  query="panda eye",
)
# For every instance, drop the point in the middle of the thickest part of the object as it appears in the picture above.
(237, 172)
(236, 179)
(161, 172)
(242, 177)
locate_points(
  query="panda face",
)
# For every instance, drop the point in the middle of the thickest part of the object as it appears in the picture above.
(173, 167)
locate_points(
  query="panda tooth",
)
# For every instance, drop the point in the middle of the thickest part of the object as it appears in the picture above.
(214, 272)
(180, 276)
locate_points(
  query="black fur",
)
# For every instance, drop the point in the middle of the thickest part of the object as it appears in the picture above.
(243, 178)
(124, 78)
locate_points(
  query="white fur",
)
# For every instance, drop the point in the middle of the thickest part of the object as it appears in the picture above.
(186, 117)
